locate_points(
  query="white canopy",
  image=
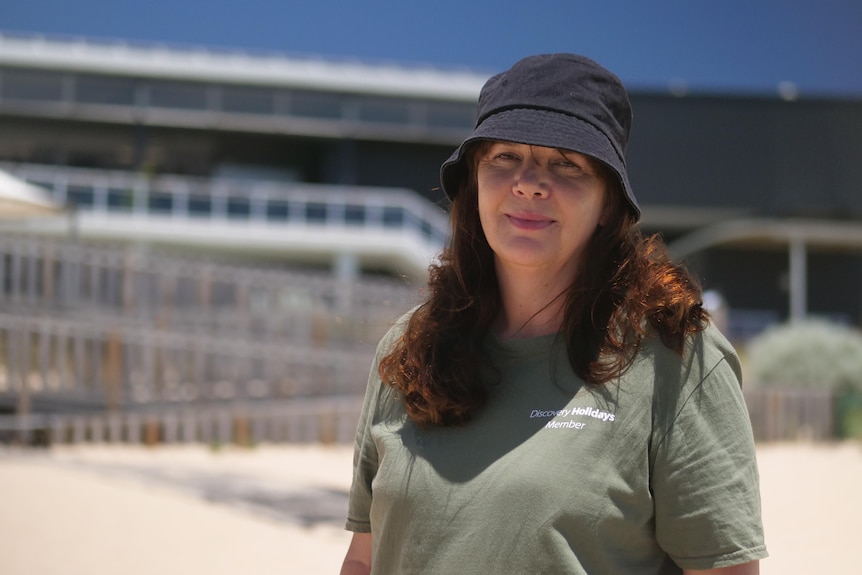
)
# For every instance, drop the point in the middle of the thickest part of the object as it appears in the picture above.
(20, 199)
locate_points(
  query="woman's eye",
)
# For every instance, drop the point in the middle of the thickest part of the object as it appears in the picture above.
(568, 165)
(506, 156)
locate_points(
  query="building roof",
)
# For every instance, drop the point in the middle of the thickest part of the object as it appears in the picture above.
(264, 69)
(20, 199)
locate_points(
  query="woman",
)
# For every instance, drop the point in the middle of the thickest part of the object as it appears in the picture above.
(560, 403)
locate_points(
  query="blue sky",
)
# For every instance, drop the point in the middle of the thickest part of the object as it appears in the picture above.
(724, 45)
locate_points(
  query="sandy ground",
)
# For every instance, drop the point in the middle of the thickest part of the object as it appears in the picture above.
(190, 510)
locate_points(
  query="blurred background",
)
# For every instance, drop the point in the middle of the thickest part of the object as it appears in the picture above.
(210, 212)
(219, 208)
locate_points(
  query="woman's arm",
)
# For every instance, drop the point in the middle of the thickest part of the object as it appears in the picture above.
(750, 568)
(358, 558)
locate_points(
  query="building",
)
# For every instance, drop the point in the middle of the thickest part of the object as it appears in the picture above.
(335, 163)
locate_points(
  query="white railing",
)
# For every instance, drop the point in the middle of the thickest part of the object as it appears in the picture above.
(375, 224)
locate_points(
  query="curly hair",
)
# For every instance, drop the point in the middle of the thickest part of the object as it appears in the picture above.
(627, 289)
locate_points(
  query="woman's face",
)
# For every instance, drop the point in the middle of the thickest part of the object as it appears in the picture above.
(538, 206)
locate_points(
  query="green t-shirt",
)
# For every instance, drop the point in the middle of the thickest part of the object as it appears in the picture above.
(647, 475)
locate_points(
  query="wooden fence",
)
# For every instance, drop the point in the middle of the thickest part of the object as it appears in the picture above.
(118, 344)
(101, 344)
(776, 415)
(329, 420)
(79, 280)
(113, 364)
(787, 414)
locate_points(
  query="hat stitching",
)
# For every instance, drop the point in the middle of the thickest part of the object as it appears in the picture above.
(610, 141)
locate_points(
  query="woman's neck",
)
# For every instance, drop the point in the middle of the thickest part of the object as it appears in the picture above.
(533, 304)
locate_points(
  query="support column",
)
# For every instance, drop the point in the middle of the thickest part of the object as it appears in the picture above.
(346, 272)
(798, 279)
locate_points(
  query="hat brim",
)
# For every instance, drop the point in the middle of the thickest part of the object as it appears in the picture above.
(538, 127)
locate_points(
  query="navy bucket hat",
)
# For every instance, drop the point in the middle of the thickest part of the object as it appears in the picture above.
(561, 101)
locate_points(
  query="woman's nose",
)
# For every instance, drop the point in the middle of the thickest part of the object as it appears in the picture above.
(530, 181)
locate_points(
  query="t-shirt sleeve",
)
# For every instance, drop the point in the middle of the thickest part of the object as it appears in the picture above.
(365, 459)
(365, 454)
(704, 477)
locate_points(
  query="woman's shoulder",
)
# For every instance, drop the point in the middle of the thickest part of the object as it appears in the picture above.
(704, 352)
(711, 345)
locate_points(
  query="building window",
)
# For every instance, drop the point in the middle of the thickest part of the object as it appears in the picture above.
(199, 205)
(161, 202)
(105, 90)
(451, 115)
(247, 100)
(181, 95)
(315, 105)
(354, 214)
(80, 196)
(393, 217)
(32, 85)
(277, 210)
(315, 213)
(238, 208)
(120, 200)
(389, 111)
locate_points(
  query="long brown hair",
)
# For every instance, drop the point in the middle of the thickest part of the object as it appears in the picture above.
(627, 289)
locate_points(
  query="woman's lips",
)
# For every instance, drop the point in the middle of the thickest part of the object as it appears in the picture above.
(529, 221)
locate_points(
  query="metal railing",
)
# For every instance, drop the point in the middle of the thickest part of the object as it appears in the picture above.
(87, 279)
(238, 200)
(96, 330)
(112, 365)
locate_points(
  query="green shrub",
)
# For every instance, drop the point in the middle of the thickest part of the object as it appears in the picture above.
(807, 353)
